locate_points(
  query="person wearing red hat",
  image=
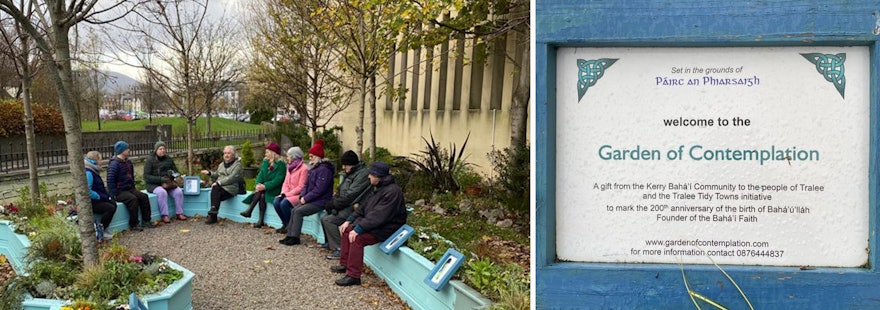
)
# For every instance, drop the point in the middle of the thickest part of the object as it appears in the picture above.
(317, 191)
(269, 180)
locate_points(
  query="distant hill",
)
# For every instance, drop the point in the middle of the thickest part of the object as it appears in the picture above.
(118, 82)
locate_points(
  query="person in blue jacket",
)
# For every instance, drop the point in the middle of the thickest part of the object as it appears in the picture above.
(316, 193)
(120, 182)
(102, 204)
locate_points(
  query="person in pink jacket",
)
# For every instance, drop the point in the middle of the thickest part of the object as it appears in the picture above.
(293, 184)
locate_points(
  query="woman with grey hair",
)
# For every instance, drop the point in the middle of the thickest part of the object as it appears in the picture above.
(291, 188)
(226, 180)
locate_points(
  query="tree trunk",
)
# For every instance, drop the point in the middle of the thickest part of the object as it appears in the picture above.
(519, 108)
(359, 129)
(372, 99)
(208, 121)
(189, 145)
(62, 72)
(29, 121)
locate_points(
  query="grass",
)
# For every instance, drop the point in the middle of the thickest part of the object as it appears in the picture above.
(178, 124)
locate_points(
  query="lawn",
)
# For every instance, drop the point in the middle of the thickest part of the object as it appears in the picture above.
(178, 124)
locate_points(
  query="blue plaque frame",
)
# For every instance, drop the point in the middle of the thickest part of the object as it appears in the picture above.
(444, 269)
(694, 23)
(397, 239)
(192, 185)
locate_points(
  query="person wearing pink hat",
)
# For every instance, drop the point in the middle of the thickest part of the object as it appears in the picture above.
(269, 180)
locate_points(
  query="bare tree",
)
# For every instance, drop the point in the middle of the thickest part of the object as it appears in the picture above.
(50, 30)
(90, 84)
(18, 44)
(164, 42)
(292, 59)
(218, 62)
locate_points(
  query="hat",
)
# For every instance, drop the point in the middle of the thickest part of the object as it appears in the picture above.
(349, 158)
(295, 153)
(158, 145)
(379, 169)
(318, 148)
(120, 146)
(274, 147)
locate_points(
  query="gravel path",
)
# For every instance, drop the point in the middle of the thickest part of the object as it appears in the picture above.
(239, 267)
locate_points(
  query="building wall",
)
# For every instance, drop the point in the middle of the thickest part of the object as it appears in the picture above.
(447, 95)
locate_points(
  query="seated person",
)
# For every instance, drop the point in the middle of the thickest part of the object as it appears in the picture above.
(269, 180)
(353, 186)
(102, 204)
(316, 193)
(158, 175)
(292, 186)
(120, 182)
(380, 214)
(226, 181)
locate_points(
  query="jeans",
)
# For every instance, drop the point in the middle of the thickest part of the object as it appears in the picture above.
(283, 208)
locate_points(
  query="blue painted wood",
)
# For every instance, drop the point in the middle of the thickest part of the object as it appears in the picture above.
(134, 303)
(405, 270)
(13, 246)
(686, 23)
(230, 209)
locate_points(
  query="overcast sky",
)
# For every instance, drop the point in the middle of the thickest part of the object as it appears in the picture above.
(216, 9)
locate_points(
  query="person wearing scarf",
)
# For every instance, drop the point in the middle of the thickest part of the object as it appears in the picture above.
(293, 184)
(102, 204)
(317, 191)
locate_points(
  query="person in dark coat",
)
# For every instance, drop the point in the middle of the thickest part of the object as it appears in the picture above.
(380, 214)
(102, 204)
(317, 191)
(226, 182)
(120, 182)
(159, 170)
(353, 187)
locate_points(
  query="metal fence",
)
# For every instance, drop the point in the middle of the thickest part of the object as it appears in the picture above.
(52, 150)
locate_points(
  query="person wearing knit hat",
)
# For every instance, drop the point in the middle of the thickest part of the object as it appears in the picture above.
(317, 149)
(293, 185)
(159, 176)
(274, 147)
(380, 214)
(354, 187)
(120, 184)
(120, 147)
(317, 191)
(268, 183)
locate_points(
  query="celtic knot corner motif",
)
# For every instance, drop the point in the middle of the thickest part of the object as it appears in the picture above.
(831, 67)
(589, 72)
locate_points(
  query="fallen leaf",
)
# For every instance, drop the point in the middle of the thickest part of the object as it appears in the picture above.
(184, 230)
(270, 247)
(267, 261)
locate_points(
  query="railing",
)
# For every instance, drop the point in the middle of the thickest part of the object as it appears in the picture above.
(52, 150)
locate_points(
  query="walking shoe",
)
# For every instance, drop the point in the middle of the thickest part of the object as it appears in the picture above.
(337, 269)
(282, 230)
(166, 219)
(212, 219)
(181, 217)
(289, 241)
(148, 225)
(348, 281)
(136, 228)
(334, 255)
(107, 236)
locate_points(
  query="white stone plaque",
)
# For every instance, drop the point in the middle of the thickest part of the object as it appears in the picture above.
(751, 156)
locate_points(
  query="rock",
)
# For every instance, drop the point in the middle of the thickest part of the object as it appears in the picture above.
(465, 205)
(419, 203)
(504, 223)
(439, 210)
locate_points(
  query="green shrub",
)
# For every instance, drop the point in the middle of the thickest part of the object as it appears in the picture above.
(382, 154)
(513, 293)
(110, 280)
(12, 293)
(247, 154)
(466, 176)
(512, 166)
(55, 239)
(332, 144)
(440, 164)
(59, 274)
(482, 274)
(259, 116)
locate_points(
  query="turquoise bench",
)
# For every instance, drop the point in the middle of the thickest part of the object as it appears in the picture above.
(229, 209)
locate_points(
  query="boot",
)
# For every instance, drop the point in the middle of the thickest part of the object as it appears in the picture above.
(212, 215)
(260, 223)
(250, 209)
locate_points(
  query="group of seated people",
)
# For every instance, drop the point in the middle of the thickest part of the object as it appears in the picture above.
(367, 208)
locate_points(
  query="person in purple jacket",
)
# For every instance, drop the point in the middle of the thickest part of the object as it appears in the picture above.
(316, 193)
